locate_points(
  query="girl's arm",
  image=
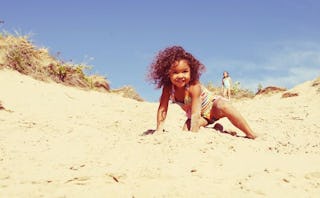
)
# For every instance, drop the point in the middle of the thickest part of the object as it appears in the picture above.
(163, 108)
(195, 91)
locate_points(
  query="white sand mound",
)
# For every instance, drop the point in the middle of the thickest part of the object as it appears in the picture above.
(57, 141)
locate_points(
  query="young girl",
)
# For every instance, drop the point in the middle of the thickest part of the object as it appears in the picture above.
(226, 85)
(177, 72)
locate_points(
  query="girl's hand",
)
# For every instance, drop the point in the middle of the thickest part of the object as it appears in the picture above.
(163, 108)
(159, 129)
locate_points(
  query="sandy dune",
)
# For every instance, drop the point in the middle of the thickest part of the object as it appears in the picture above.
(58, 141)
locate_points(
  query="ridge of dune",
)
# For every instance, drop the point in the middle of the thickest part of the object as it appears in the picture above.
(58, 141)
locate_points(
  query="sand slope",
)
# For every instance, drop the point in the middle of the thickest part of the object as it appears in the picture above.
(57, 141)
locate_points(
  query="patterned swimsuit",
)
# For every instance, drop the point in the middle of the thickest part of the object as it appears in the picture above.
(207, 99)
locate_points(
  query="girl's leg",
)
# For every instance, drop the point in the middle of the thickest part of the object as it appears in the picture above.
(222, 108)
(229, 93)
(224, 93)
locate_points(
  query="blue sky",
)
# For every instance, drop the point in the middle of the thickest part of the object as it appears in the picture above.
(274, 42)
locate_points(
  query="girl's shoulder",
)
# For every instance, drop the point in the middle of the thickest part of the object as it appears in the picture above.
(166, 89)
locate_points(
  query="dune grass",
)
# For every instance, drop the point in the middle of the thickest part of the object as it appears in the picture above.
(316, 83)
(236, 91)
(19, 53)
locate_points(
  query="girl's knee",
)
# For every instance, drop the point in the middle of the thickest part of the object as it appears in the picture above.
(222, 104)
(222, 108)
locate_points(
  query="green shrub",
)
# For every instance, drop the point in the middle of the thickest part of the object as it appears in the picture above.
(236, 91)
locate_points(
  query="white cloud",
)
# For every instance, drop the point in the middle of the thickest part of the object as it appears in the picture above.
(294, 77)
(283, 64)
(295, 58)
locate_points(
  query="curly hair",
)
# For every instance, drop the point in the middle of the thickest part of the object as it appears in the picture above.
(159, 68)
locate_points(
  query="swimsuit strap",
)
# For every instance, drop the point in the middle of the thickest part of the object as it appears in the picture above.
(172, 94)
(186, 97)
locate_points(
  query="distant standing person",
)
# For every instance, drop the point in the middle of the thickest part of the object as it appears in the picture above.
(226, 85)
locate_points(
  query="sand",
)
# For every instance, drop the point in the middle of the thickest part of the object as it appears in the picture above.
(58, 141)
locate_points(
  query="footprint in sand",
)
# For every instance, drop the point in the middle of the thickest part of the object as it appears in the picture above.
(78, 180)
(118, 178)
(312, 175)
(77, 167)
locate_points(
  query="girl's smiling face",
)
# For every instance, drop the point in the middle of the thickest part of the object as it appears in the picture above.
(180, 74)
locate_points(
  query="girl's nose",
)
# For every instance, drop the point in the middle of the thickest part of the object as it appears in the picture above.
(180, 75)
